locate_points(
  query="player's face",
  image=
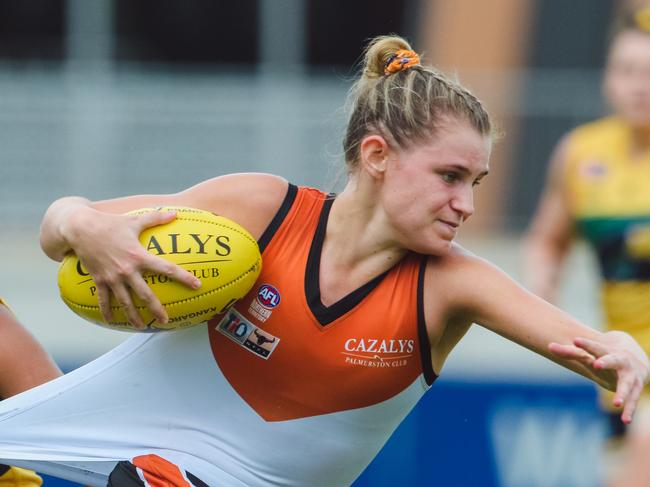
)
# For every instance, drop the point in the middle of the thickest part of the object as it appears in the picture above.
(627, 77)
(428, 188)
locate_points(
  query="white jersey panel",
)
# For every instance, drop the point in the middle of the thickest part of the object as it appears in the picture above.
(164, 394)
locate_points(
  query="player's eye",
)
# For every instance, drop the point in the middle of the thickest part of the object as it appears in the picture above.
(450, 177)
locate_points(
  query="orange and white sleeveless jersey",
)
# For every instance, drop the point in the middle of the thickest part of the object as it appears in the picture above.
(281, 390)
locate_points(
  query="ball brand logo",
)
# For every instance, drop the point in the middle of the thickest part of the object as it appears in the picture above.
(268, 296)
(207, 313)
(81, 270)
(217, 251)
(177, 243)
(156, 278)
(193, 242)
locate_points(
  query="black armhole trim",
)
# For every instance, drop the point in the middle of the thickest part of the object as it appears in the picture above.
(279, 217)
(425, 347)
(4, 469)
(197, 482)
(125, 474)
(324, 314)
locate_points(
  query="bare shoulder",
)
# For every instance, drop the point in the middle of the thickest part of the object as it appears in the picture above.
(239, 188)
(460, 277)
(251, 199)
(459, 260)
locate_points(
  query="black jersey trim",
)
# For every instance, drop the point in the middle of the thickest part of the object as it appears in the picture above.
(194, 480)
(4, 469)
(279, 217)
(125, 474)
(327, 314)
(425, 346)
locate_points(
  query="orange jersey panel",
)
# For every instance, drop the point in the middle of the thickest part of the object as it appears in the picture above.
(159, 472)
(289, 356)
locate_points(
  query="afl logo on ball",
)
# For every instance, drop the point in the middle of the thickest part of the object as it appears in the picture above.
(268, 296)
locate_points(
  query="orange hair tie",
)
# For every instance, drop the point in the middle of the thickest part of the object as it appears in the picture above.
(401, 60)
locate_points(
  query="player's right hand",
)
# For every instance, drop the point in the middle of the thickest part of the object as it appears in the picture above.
(108, 245)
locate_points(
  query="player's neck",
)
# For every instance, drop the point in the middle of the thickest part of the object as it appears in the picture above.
(356, 248)
(358, 230)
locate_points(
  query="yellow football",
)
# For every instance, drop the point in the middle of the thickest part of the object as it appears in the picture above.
(222, 254)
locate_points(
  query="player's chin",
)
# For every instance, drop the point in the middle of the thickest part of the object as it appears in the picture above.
(444, 247)
(436, 246)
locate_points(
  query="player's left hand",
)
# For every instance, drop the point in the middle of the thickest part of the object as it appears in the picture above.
(618, 359)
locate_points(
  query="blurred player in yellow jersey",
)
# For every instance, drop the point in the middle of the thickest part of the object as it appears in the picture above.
(598, 188)
(23, 365)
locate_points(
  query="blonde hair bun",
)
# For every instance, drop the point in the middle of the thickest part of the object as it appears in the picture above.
(379, 52)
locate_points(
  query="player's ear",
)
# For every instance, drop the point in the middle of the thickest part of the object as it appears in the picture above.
(373, 155)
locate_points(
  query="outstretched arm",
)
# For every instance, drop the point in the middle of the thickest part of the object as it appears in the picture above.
(106, 240)
(487, 296)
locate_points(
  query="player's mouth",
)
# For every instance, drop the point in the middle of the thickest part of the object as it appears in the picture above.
(452, 224)
(451, 228)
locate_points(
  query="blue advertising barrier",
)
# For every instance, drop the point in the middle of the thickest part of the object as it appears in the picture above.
(495, 434)
(465, 434)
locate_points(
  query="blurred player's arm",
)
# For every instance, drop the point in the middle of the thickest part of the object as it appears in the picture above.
(23, 362)
(550, 234)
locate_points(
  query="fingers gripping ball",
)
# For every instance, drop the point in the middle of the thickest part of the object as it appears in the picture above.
(223, 255)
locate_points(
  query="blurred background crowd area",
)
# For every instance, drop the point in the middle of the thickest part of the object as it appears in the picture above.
(103, 98)
(110, 97)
